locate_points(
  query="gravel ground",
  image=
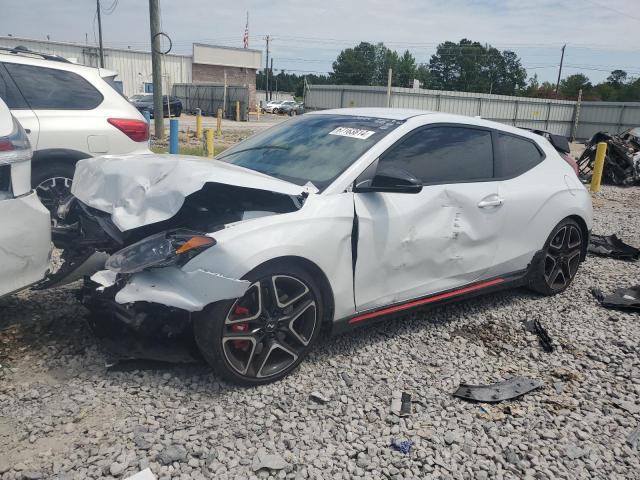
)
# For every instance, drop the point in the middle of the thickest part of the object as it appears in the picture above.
(64, 415)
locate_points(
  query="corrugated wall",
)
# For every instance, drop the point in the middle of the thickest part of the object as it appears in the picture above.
(133, 67)
(556, 116)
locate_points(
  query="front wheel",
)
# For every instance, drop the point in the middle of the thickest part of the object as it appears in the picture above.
(264, 335)
(562, 254)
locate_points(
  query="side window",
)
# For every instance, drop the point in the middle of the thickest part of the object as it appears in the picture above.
(51, 89)
(10, 94)
(515, 155)
(444, 155)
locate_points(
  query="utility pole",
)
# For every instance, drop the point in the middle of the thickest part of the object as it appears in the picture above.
(100, 34)
(389, 88)
(270, 86)
(266, 73)
(156, 68)
(560, 69)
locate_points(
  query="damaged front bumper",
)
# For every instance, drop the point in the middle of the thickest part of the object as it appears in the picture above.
(172, 287)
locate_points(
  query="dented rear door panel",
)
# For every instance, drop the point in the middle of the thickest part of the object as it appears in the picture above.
(411, 245)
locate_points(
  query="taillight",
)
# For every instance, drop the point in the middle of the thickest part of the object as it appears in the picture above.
(136, 130)
(15, 148)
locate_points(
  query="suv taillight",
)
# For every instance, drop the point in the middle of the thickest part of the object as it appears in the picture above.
(136, 130)
(15, 148)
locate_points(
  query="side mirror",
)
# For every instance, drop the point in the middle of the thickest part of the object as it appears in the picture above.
(391, 180)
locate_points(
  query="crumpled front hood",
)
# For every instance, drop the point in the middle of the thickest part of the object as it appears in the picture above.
(139, 190)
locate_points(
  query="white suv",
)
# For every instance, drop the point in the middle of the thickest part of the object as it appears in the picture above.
(25, 230)
(69, 112)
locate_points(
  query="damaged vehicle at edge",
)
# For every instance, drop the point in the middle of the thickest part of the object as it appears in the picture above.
(337, 218)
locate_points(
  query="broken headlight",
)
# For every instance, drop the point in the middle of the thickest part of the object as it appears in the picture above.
(161, 250)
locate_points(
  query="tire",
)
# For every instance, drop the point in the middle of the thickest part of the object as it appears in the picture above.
(556, 268)
(293, 113)
(234, 347)
(52, 182)
(275, 111)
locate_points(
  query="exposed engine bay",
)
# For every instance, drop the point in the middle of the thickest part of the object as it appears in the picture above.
(139, 298)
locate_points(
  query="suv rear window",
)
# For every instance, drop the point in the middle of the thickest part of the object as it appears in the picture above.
(51, 89)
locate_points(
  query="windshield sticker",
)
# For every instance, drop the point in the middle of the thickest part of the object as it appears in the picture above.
(352, 132)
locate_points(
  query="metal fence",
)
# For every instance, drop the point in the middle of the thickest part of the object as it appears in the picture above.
(209, 97)
(561, 117)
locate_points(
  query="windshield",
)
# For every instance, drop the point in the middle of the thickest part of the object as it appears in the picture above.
(311, 148)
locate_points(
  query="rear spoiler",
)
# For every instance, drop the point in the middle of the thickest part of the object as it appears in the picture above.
(559, 142)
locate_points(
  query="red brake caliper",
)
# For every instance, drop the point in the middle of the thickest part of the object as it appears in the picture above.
(240, 327)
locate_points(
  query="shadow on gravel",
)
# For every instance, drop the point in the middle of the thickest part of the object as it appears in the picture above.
(55, 320)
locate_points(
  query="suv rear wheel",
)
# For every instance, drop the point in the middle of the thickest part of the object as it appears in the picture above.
(52, 182)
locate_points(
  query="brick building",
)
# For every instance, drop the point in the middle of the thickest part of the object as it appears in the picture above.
(236, 66)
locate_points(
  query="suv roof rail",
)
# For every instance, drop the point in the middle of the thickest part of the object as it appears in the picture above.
(20, 50)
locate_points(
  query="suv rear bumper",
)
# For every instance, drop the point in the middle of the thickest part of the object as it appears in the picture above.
(25, 242)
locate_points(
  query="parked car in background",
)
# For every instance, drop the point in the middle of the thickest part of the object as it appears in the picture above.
(170, 105)
(25, 228)
(291, 108)
(69, 112)
(271, 106)
(340, 218)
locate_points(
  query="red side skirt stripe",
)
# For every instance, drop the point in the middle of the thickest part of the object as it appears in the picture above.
(424, 301)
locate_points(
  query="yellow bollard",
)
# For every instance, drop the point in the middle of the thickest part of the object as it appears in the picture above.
(219, 122)
(237, 110)
(198, 123)
(210, 146)
(598, 167)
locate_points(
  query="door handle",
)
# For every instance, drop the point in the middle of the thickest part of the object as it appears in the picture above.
(492, 201)
(27, 130)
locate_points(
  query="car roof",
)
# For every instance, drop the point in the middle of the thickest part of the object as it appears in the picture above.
(390, 113)
(36, 59)
(433, 117)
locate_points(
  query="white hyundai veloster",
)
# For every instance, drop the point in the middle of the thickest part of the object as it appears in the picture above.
(339, 217)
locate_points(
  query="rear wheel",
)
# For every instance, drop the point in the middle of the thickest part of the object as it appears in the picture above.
(293, 113)
(52, 182)
(264, 335)
(561, 258)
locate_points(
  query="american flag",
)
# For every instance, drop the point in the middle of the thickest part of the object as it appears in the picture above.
(245, 39)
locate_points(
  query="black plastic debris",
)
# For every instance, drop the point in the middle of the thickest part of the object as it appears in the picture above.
(403, 446)
(497, 392)
(612, 246)
(401, 403)
(545, 340)
(620, 299)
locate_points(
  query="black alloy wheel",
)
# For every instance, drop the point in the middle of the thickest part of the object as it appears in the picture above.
(52, 183)
(265, 334)
(562, 257)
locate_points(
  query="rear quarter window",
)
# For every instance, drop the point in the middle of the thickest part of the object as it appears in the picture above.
(515, 155)
(52, 89)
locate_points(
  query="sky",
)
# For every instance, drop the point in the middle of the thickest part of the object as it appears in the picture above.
(601, 35)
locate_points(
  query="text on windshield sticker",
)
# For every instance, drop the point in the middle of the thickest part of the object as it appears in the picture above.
(352, 132)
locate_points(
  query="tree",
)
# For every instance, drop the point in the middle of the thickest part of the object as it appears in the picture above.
(472, 67)
(406, 70)
(617, 78)
(423, 74)
(570, 86)
(356, 66)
